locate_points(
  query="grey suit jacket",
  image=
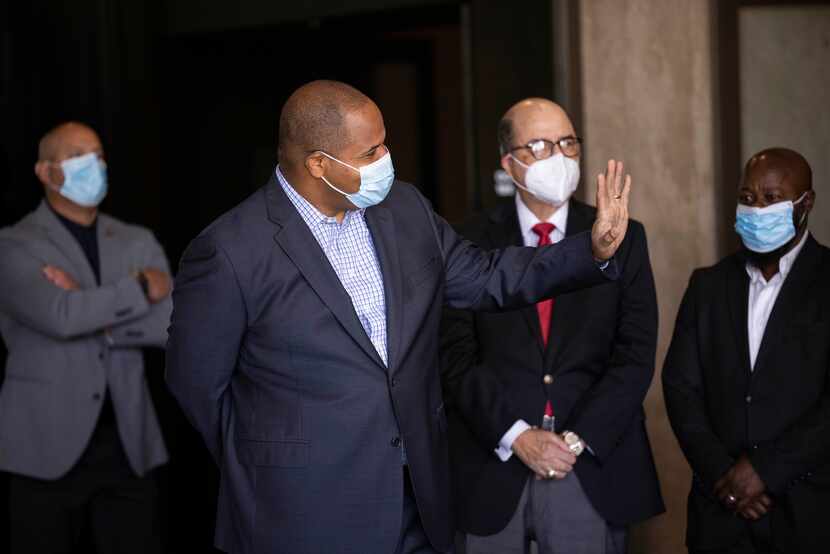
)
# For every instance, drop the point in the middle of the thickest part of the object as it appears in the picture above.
(60, 360)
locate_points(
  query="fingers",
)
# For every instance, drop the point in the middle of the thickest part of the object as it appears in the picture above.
(602, 192)
(626, 190)
(618, 173)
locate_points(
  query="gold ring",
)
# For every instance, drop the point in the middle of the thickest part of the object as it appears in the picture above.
(551, 473)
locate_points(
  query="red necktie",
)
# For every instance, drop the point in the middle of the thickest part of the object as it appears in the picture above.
(545, 307)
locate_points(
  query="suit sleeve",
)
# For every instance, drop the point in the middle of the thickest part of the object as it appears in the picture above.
(470, 388)
(801, 449)
(208, 322)
(611, 404)
(28, 297)
(684, 394)
(513, 277)
(149, 330)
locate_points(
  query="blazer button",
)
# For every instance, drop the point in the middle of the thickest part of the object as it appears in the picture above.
(101, 355)
(96, 396)
(393, 382)
(547, 379)
(396, 442)
(748, 399)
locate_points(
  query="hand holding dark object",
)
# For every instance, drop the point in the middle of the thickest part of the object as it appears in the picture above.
(543, 451)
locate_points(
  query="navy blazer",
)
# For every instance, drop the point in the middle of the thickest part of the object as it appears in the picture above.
(595, 370)
(270, 363)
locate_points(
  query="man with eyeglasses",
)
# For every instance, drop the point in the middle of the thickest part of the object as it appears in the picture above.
(546, 425)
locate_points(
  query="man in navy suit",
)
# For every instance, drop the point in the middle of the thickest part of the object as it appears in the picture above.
(304, 336)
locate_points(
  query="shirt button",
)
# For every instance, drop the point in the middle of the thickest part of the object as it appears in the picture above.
(96, 396)
(749, 399)
(547, 379)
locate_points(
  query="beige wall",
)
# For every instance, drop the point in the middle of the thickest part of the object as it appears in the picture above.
(785, 84)
(646, 83)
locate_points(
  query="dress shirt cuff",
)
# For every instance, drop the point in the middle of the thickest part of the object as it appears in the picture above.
(505, 448)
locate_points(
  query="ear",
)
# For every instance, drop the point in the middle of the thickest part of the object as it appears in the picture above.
(809, 201)
(506, 165)
(48, 174)
(316, 164)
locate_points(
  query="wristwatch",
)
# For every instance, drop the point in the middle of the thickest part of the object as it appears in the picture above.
(575, 444)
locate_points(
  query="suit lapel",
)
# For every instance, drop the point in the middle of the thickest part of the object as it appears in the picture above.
(794, 294)
(296, 240)
(382, 227)
(68, 246)
(109, 252)
(565, 307)
(738, 295)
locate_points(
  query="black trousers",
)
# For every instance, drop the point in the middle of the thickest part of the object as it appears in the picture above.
(101, 495)
(756, 540)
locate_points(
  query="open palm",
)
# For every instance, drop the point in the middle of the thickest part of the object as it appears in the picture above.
(611, 224)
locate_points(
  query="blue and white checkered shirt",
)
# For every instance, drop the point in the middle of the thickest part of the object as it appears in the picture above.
(351, 252)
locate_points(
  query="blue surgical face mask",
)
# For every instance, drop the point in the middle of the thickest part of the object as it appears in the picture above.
(375, 181)
(766, 229)
(84, 180)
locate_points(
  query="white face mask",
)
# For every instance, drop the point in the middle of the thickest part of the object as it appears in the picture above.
(552, 180)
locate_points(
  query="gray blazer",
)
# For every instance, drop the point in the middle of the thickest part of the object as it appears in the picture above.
(60, 358)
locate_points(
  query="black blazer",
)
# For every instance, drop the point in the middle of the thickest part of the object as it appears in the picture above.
(270, 363)
(779, 413)
(601, 356)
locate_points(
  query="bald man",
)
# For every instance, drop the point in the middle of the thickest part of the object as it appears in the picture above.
(304, 341)
(747, 376)
(557, 386)
(80, 294)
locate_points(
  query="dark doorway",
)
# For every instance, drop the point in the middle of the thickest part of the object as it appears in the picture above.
(223, 93)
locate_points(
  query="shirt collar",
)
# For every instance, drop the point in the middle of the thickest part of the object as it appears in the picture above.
(310, 214)
(785, 264)
(528, 219)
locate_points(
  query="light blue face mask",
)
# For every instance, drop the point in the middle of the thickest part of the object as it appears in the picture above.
(375, 181)
(84, 180)
(766, 229)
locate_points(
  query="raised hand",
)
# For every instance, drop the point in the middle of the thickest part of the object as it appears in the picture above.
(60, 278)
(543, 451)
(612, 211)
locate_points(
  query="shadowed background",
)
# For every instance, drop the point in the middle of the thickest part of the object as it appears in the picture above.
(186, 96)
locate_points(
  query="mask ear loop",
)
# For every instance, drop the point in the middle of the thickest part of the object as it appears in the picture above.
(329, 156)
(515, 182)
(804, 215)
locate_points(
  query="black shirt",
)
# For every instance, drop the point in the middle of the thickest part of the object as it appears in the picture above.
(87, 237)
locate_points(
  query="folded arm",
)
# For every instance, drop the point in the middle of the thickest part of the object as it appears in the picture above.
(27, 296)
(151, 329)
